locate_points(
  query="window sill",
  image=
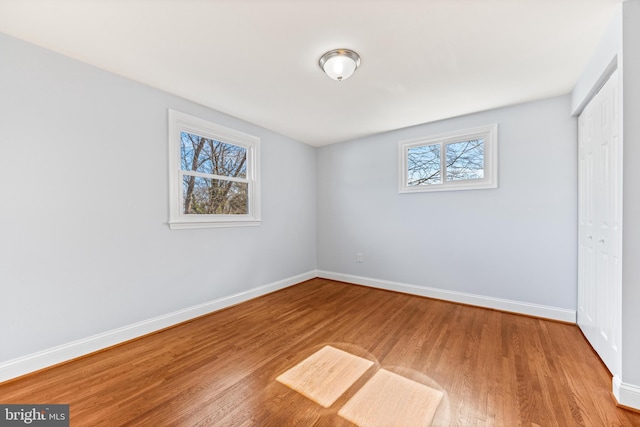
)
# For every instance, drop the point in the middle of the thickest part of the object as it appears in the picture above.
(449, 187)
(181, 225)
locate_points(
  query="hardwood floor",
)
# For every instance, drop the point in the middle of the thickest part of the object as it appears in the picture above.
(493, 368)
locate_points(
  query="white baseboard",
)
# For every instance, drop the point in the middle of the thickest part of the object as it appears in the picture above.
(65, 352)
(626, 394)
(543, 311)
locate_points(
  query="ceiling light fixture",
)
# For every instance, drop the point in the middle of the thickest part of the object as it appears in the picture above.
(339, 64)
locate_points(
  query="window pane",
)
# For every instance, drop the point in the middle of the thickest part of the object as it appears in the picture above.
(423, 165)
(213, 157)
(204, 196)
(465, 160)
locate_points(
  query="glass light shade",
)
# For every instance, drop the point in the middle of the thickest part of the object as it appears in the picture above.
(340, 64)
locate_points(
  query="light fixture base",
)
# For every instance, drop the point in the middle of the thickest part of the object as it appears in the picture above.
(339, 64)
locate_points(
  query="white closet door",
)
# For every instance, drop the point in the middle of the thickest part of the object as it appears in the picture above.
(586, 225)
(599, 214)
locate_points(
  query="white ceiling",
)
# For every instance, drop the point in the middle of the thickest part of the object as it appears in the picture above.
(422, 60)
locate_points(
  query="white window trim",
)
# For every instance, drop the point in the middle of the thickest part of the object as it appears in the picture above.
(488, 133)
(179, 122)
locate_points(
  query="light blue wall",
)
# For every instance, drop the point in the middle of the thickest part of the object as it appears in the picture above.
(631, 198)
(84, 242)
(517, 242)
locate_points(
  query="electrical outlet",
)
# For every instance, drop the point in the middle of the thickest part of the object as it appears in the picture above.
(359, 257)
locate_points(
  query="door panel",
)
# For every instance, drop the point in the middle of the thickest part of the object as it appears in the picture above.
(599, 231)
(586, 232)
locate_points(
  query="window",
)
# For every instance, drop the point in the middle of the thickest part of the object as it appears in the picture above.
(463, 160)
(213, 174)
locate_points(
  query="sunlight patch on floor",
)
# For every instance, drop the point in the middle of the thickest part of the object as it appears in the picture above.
(325, 375)
(389, 399)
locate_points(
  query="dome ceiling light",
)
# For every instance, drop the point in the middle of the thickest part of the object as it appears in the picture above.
(339, 64)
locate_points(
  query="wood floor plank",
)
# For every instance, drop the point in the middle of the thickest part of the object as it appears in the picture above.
(493, 368)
